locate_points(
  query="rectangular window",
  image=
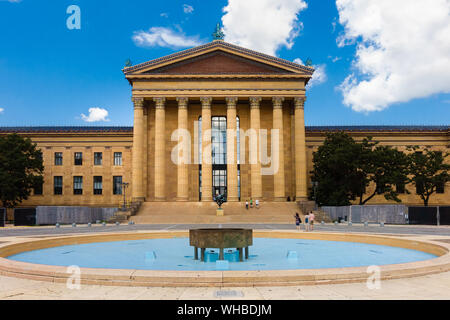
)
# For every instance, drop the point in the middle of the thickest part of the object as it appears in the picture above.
(117, 185)
(419, 188)
(78, 158)
(98, 158)
(77, 185)
(400, 187)
(58, 158)
(117, 158)
(440, 187)
(98, 186)
(37, 189)
(57, 185)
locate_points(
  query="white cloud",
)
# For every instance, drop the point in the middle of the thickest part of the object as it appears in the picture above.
(262, 25)
(402, 51)
(95, 115)
(164, 14)
(319, 75)
(164, 37)
(1, 110)
(187, 8)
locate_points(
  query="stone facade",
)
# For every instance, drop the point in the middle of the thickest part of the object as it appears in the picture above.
(170, 95)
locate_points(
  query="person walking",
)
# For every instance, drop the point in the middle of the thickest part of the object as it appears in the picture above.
(307, 223)
(251, 203)
(311, 220)
(257, 203)
(297, 221)
(246, 204)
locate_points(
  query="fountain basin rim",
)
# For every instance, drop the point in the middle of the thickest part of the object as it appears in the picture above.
(130, 277)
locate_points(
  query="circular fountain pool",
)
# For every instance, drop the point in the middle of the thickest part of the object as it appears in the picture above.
(277, 257)
(265, 254)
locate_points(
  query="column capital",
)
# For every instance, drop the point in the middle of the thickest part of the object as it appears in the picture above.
(277, 102)
(299, 102)
(206, 102)
(182, 102)
(138, 102)
(254, 102)
(231, 102)
(159, 102)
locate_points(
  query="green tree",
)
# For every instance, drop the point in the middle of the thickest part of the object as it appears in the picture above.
(428, 171)
(335, 170)
(344, 169)
(383, 166)
(21, 169)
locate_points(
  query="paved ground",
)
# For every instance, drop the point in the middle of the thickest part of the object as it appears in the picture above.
(431, 287)
(388, 229)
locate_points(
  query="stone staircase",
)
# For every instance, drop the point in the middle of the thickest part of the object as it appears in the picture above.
(205, 213)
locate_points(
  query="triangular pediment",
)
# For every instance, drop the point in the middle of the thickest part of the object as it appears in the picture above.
(218, 57)
(218, 62)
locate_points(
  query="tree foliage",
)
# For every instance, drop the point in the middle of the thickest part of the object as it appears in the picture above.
(21, 169)
(345, 168)
(428, 170)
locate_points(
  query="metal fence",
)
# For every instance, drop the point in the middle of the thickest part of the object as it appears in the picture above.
(47, 215)
(391, 214)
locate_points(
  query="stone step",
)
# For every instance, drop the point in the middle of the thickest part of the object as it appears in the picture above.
(205, 212)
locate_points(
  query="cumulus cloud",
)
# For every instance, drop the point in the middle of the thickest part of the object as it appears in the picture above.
(96, 115)
(402, 51)
(262, 25)
(319, 75)
(187, 8)
(164, 37)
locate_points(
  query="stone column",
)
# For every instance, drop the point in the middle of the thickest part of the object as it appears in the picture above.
(232, 181)
(255, 164)
(206, 149)
(301, 191)
(160, 149)
(138, 147)
(278, 178)
(182, 168)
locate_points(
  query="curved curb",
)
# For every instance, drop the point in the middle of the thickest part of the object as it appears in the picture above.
(171, 278)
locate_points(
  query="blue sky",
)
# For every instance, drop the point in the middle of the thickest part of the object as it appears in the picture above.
(50, 75)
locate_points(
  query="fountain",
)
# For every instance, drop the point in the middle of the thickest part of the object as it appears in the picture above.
(221, 238)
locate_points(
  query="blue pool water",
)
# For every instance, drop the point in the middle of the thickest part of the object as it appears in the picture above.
(265, 254)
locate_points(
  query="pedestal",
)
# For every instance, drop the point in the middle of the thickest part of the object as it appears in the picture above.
(219, 212)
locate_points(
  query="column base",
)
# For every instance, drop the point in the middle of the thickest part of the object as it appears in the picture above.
(302, 199)
(181, 199)
(280, 199)
(232, 199)
(138, 199)
(206, 200)
(160, 199)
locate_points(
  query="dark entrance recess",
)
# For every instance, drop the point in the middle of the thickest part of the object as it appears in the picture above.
(422, 215)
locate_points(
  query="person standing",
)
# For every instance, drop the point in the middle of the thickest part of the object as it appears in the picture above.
(311, 220)
(246, 204)
(251, 203)
(257, 203)
(297, 221)
(307, 223)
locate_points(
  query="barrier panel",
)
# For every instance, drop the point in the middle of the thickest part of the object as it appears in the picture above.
(25, 216)
(2, 217)
(422, 215)
(444, 214)
(49, 215)
(391, 214)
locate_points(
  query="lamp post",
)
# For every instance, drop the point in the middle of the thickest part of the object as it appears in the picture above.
(124, 187)
(315, 184)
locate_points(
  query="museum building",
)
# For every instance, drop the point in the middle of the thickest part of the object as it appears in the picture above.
(210, 120)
